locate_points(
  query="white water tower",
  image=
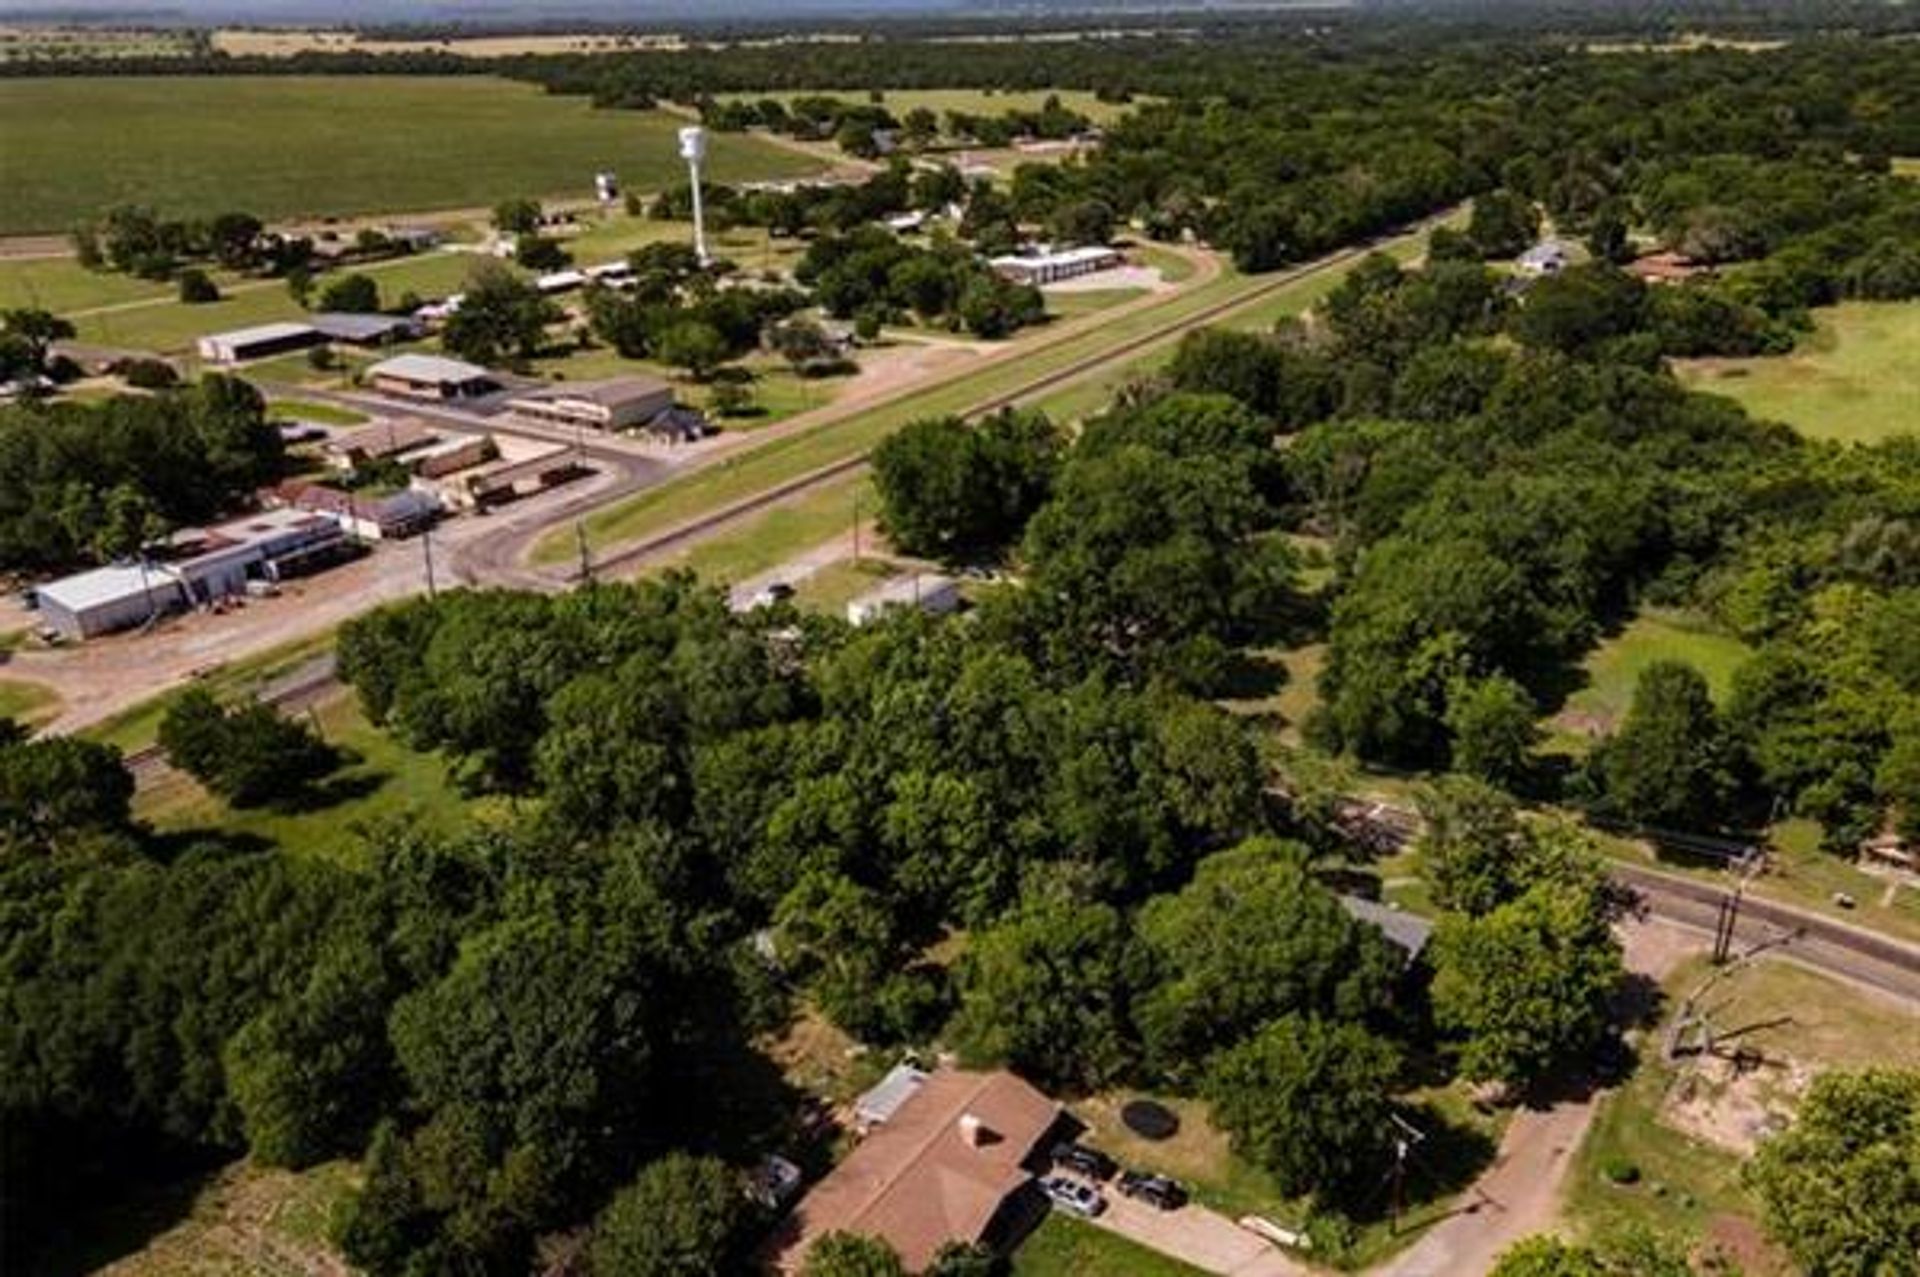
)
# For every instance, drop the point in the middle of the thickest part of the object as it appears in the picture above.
(693, 149)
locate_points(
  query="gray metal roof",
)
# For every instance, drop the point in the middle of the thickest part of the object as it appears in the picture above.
(435, 368)
(901, 1084)
(352, 327)
(112, 584)
(1409, 932)
(283, 331)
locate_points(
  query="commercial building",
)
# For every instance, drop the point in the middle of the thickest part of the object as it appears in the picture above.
(198, 568)
(257, 342)
(1047, 266)
(509, 480)
(385, 517)
(379, 441)
(619, 403)
(953, 1162)
(431, 377)
(928, 591)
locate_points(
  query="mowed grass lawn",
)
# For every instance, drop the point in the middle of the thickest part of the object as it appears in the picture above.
(28, 702)
(317, 145)
(1063, 1247)
(1855, 378)
(381, 780)
(1613, 669)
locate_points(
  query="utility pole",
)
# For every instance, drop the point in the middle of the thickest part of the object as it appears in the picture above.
(1728, 917)
(426, 546)
(856, 526)
(586, 552)
(1405, 1136)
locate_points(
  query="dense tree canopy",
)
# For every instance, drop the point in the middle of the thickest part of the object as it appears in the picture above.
(1841, 1186)
(96, 482)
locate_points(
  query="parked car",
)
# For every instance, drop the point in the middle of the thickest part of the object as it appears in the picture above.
(1090, 1162)
(1072, 1196)
(1155, 1190)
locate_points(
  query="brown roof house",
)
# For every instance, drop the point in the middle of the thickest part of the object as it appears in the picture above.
(948, 1163)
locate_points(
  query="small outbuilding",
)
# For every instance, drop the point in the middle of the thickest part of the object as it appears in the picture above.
(928, 591)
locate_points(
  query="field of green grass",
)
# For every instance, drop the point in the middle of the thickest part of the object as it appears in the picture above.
(768, 539)
(1063, 1247)
(325, 413)
(1802, 1022)
(1855, 378)
(1613, 669)
(382, 781)
(62, 285)
(315, 146)
(27, 702)
(833, 587)
(169, 327)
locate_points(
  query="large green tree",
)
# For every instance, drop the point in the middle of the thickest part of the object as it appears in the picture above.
(683, 1216)
(502, 318)
(1307, 1099)
(1841, 1186)
(953, 491)
(1665, 766)
(1526, 987)
(1253, 937)
(1048, 991)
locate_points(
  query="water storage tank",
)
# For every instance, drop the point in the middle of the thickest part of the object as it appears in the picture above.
(693, 144)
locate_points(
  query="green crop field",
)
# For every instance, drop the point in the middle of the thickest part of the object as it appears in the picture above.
(1855, 378)
(315, 145)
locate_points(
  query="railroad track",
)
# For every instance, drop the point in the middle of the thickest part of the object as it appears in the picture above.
(694, 529)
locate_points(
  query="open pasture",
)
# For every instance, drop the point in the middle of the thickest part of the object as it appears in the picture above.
(1855, 378)
(316, 146)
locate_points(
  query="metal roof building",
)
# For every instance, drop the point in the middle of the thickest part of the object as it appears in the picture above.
(257, 342)
(431, 377)
(364, 330)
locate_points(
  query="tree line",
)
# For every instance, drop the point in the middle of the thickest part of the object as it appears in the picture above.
(97, 482)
